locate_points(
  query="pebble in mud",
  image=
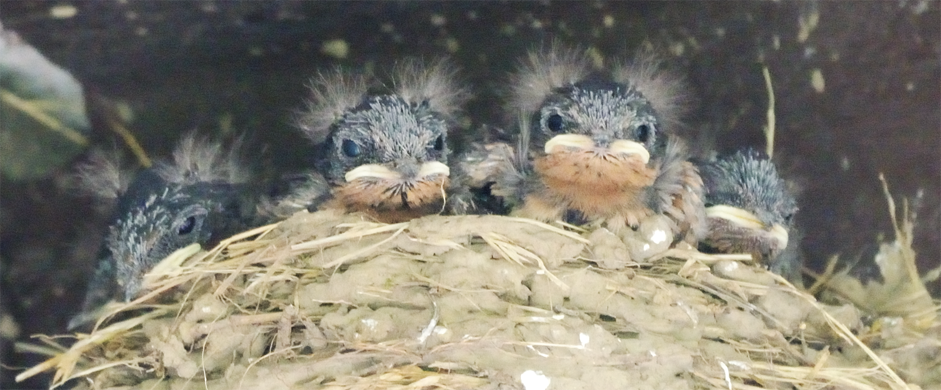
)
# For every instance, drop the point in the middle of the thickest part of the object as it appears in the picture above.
(654, 236)
(616, 251)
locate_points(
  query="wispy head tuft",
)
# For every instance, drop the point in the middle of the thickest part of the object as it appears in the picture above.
(201, 160)
(545, 70)
(102, 176)
(332, 93)
(662, 88)
(416, 81)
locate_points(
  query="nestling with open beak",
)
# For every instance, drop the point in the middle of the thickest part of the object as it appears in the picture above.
(750, 209)
(383, 149)
(199, 197)
(593, 147)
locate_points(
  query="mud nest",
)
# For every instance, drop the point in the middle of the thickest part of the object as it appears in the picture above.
(328, 300)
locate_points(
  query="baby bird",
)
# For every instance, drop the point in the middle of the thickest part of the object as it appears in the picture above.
(383, 150)
(750, 209)
(594, 146)
(199, 197)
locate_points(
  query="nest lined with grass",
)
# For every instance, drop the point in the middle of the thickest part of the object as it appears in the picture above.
(326, 300)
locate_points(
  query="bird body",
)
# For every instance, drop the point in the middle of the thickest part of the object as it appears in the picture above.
(595, 186)
(200, 197)
(384, 153)
(593, 147)
(750, 209)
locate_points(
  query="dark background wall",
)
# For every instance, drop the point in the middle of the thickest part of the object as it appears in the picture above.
(228, 67)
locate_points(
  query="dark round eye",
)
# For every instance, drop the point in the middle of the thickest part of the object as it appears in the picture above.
(554, 123)
(643, 133)
(439, 143)
(787, 218)
(350, 148)
(187, 226)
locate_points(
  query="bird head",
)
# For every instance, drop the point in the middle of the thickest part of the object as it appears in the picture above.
(593, 126)
(393, 152)
(198, 196)
(749, 207)
(608, 119)
(384, 144)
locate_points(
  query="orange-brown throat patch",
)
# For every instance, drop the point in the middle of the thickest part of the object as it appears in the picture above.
(597, 185)
(391, 201)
